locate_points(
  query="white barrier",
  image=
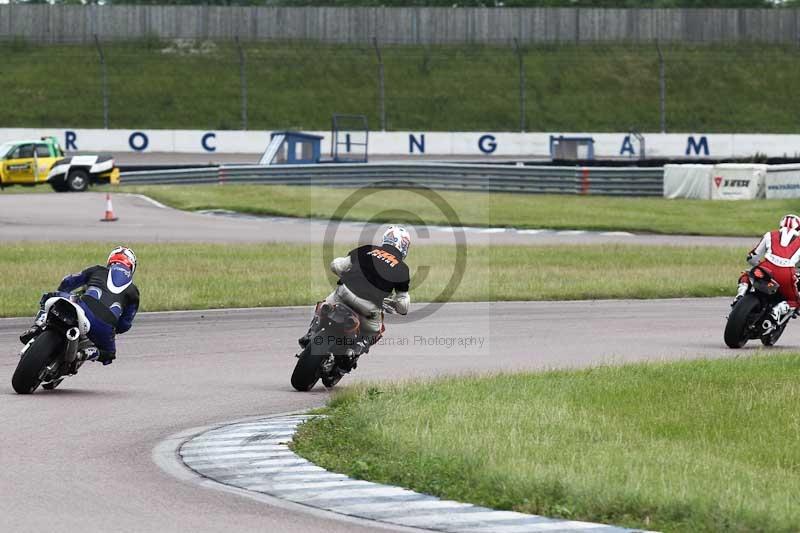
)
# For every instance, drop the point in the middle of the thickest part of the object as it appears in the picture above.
(783, 181)
(688, 181)
(731, 181)
(410, 143)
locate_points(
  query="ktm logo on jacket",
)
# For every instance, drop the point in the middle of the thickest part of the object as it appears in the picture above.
(384, 256)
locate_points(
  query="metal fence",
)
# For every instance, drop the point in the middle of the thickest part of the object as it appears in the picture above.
(245, 85)
(410, 25)
(610, 181)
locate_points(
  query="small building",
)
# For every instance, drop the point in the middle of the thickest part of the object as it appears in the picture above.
(292, 148)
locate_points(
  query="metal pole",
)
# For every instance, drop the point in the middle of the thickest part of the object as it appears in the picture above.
(381, 85)
(662, 85)
(521, 61)
(242, 81)
(104, 72)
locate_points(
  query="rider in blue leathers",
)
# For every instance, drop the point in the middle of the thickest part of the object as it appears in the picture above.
(110, 301)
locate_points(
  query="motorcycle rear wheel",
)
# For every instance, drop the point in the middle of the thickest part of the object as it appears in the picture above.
(28, 375)
(737, 331)
(308, 369)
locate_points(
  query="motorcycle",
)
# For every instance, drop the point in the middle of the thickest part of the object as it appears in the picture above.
(750, 317)
(329, 355)
(58, 350)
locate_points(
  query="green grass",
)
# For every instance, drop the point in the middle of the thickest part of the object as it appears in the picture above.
(26, 189)
(200, 276)
(647, 215)
(709, 445)
(447, 88)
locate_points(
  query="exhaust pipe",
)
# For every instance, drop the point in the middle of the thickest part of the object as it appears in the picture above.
(72, 344)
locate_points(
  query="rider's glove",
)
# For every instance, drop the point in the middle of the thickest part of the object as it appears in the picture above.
(46, 296)
(106, 357)
(389, 305)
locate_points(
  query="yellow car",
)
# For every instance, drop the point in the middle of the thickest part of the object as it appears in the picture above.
(31, 162)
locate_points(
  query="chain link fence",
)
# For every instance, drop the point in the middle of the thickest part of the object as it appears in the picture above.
(187, 84)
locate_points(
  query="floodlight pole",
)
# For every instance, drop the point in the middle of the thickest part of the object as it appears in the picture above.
(521, 61)
(662, 86)
(242, 81)
(381, 85)
(104, 74)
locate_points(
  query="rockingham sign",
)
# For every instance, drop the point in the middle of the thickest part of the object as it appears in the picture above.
(421, 143)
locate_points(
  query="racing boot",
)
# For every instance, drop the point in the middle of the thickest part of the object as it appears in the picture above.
(779, 312)
(346, 363)
(361, 346)
(106, 357)
(34, 330)
(89, 354)
(363, 343)
(741, 290)
(312, 329)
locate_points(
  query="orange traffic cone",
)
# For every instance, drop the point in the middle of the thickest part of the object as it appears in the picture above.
(109, 216)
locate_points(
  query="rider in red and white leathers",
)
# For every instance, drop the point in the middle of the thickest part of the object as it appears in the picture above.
(779, 252)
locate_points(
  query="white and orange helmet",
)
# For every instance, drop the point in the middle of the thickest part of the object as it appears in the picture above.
(398, 237)
(124, 256)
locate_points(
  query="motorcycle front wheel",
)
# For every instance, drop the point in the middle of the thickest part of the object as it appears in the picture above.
(308, 369)
(28, 375)
(743, 314)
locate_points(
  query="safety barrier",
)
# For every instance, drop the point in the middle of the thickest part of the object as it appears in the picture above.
(612, 181)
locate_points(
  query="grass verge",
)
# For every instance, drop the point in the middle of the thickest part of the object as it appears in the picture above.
(196, 85)
(707, 445)
(597, 213)
(201, 276)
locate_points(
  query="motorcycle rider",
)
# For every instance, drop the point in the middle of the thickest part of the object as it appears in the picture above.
(779, 252)
(368, 276)
(110, 301)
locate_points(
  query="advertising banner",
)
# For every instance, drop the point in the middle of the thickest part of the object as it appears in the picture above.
(783, 181)
(738, 181)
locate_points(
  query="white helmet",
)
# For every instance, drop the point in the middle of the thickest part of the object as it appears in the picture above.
(398, 237)
(789, 228)
(124, 256)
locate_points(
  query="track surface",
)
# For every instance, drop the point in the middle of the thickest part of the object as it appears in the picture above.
(75, 217)
(79, 458)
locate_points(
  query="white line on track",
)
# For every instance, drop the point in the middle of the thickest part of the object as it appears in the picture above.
(151, 201)
(237, 456)
(444, 229)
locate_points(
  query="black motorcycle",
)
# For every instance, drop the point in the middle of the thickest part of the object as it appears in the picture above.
(330, 353)
(58, 350)
(751, 316)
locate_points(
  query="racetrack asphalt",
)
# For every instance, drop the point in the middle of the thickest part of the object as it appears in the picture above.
(76, 217)
(80, 458)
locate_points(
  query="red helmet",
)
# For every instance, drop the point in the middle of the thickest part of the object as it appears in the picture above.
(123, 256)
